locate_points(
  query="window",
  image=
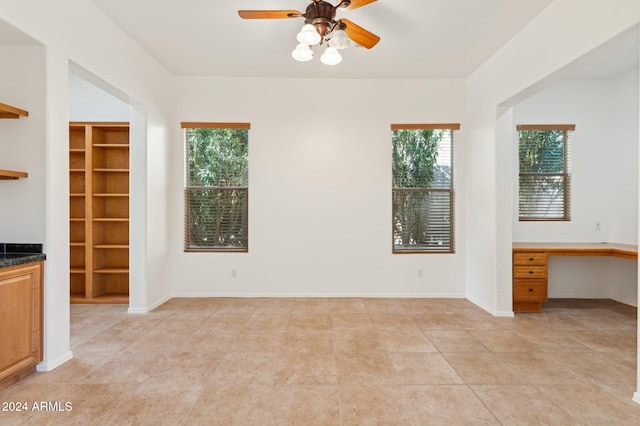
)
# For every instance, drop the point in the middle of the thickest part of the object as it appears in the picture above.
(423, 192)
(216, 186)
(544, 178)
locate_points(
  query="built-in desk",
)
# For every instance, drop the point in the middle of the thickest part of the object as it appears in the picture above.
(530, 267)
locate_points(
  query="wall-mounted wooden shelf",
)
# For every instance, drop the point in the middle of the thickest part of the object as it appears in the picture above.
(8, 111)
(11, 174)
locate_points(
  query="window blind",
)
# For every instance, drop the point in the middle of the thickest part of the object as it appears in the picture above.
(423, 188)
(216, 218)
(545, 172)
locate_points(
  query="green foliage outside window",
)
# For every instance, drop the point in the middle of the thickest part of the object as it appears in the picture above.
(542, 151)
(415, 153)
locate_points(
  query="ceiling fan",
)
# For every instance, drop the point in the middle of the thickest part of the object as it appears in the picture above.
(320, 26)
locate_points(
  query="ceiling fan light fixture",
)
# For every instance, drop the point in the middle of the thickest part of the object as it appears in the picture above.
(302, 53)
(331, 56)
(339, 39)
(321, 27)
(308, 35)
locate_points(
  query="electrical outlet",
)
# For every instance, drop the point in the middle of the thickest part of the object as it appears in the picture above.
(234, 274)
(597, 226)
(420, 275)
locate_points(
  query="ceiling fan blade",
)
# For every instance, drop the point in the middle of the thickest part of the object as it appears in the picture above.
(269, 14)
(359, 3)
(358, 34)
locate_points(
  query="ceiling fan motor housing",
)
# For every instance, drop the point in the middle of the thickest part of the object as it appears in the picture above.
(321, 15)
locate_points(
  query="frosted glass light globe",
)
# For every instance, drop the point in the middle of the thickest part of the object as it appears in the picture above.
(308, 35)
(302, 53)
(331, 56)
(339, 39)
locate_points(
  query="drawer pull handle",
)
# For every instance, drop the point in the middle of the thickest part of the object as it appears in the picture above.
(530, 289)
(531, 272)
(531, 259)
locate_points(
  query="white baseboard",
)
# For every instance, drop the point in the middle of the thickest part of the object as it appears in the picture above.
(50, 365)
(482, 306)
(577, 295)
(150, 308)
(328, 295)
(504, 314)
(636, 397)
(629, 301)
(165, 299)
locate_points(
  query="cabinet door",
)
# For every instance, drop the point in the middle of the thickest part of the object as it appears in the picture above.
(20, 318)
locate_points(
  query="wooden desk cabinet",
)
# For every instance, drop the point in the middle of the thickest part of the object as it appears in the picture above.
(530, 266)
(20, 321)
(529, 281)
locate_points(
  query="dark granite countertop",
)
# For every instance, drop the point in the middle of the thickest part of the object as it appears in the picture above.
(20, 254)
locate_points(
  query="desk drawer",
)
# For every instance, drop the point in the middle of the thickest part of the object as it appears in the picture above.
(529, 272)
(530, 290)
(529, 258)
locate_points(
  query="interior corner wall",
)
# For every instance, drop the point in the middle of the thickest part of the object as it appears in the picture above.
(320, 202)
(57, 339)
(504, 190)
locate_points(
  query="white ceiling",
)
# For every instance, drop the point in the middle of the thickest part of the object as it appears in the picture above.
(419, 38)
(617, 56)
(186, 36)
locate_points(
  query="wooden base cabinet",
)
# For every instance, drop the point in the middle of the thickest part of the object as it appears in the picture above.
(21, 293)
(529, 281)
(99, 212)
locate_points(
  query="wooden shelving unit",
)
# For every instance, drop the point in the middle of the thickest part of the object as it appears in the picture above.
(8, 111)
(99, 212)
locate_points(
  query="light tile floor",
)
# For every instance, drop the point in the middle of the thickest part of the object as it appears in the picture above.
(340, 362)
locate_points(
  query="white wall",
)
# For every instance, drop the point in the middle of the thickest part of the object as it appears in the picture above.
(623, 226)
(593, 278)
(90, 103)
(22, 145)
(319, 188)
(602, 190)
